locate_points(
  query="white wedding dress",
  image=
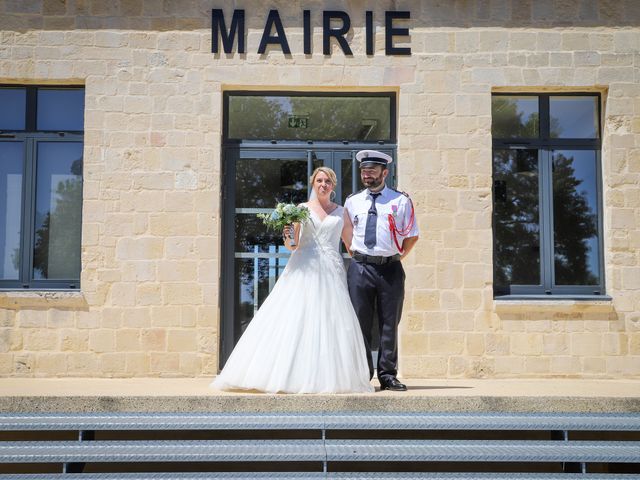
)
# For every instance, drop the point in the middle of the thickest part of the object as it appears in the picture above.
(305, 338)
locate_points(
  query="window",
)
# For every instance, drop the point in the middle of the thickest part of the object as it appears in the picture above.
(309, 116)
(547, 214)
(41, 144)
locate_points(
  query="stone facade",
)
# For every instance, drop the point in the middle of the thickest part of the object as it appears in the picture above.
(151, 234)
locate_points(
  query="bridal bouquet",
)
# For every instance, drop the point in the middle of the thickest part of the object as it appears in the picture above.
(284, 214)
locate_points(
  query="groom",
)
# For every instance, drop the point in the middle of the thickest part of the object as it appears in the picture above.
(381, 232)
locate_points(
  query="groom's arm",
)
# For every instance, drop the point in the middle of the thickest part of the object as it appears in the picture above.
(407, 245)
(347, 231)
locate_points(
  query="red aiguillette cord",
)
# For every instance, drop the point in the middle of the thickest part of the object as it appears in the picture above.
(395, 231)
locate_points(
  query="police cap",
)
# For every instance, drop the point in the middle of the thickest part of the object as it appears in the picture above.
(370, 158)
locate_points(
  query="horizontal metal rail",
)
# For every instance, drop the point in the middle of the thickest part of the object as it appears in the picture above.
(483, 421)
(482, 451)
(319, 450)
(163, 451)
(160, 421)
(174, 476)
(320, 421)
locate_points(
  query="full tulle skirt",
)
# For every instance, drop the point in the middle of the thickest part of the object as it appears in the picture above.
(305, 338)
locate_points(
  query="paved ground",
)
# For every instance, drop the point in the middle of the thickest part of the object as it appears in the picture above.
(153, 387)
(193, 394)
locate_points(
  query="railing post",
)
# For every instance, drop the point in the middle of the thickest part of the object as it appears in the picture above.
(324, 443)
(568, 467)
(78, 467)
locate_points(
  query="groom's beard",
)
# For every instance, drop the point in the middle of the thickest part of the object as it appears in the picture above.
(373, 183)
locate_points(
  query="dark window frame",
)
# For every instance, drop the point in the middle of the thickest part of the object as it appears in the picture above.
(280, 93)
(545, 145)
(30, 137)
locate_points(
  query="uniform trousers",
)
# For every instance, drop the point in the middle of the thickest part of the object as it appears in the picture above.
(378, 286)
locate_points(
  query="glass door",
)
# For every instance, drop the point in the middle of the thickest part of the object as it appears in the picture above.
(255, 179)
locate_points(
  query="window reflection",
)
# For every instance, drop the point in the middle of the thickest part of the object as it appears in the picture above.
(60, 109)
(347, 178)
(13, 107)
(575, 207)
(58, 211)
(514, 116)
(255, 278)
(251, 234)
(11, 155)
(573, 117)
(261, 183)
(516, 219)
(302, 118)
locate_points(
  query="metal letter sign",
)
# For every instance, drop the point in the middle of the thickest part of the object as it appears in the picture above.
(218, 28)
(335, 26)
(280, 38)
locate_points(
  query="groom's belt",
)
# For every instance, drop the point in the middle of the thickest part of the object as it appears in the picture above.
(376, 260)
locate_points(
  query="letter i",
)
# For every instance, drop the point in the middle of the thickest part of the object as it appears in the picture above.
(369, 32)
(306, 29)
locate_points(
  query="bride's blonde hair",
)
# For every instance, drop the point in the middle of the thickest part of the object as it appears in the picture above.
(328, 172)
(332, 178)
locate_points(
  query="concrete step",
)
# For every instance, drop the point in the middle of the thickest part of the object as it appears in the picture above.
(190, 395)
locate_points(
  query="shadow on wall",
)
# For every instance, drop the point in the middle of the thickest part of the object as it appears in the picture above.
(196, 15)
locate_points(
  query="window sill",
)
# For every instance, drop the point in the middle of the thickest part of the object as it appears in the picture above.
(557, 303)
(17, 299)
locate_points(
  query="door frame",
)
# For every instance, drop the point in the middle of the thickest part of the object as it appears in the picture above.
(297, 150)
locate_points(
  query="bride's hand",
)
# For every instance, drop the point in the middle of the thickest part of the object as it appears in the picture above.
(288, 234)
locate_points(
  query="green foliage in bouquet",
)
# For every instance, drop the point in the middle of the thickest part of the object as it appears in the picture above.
(284, 214)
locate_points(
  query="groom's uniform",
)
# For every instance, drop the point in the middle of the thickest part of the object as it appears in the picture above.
(375, 276)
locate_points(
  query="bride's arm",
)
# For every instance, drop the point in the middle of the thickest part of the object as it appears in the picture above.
(347, 231)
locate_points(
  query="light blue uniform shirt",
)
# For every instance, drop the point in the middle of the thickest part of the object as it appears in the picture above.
(390, 202)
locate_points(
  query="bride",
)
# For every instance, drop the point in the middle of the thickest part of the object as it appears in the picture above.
(305, 338)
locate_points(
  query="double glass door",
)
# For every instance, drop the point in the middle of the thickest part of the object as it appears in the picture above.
(255, 179)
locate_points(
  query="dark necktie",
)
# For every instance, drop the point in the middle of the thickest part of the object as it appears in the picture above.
(372, 219)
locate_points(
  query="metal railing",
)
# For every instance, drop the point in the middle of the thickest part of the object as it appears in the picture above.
(522, 446)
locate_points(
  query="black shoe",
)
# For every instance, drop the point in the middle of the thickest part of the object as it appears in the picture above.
(393, 384)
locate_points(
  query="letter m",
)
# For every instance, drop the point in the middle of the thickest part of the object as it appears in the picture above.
(219, 30)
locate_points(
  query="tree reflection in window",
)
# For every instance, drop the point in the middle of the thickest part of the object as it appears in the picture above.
(59, 211)
(516, 218)
(575, 218)
(320, 118)
(514, 117)
(547, 223)
(262, 183)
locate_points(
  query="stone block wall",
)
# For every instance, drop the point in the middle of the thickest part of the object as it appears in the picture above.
(151, 235)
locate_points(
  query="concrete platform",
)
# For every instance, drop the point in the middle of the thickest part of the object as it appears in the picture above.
(435, 395)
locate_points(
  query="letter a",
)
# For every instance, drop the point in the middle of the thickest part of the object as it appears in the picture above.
(280, 37)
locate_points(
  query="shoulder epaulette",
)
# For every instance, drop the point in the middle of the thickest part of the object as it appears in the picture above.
(355, 193)
(399, 191)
